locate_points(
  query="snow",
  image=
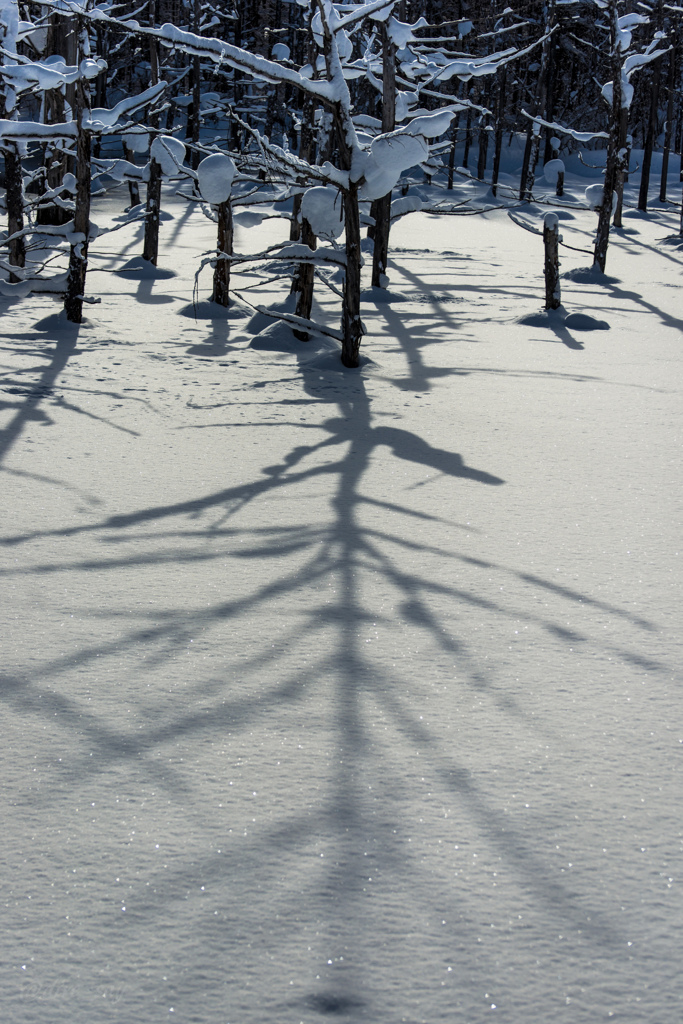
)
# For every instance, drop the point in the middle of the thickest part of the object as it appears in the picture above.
(323, 208)
(348, 694)
(280, 51)
(551, 169)
(215, 176)
(169, 153)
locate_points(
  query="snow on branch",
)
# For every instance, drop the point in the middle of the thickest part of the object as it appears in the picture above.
(34, 131)
(578, 136)
(214, 49)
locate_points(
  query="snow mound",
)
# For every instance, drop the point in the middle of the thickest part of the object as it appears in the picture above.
(144, 270)
(279, 338)
(560, 317)
(248, 218)
(590, 274)
(585, 322)
(208, 310)
(57, 323)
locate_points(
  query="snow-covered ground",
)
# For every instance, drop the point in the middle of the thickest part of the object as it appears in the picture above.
(336, 694)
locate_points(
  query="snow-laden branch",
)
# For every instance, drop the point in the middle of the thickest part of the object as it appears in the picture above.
(217, 50)
(34, 131)
(554, 126)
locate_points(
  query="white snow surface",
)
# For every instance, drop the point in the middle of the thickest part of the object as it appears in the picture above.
(337, 694)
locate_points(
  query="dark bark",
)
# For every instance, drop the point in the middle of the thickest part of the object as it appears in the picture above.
(498, 130)
(380, 252)
(150, 250)
(622, 167)
(56, 162)
(352, 327)
(14, 199)
(533, 139)
(613, 156)
(451, 158)
(133, 187)
(78, 258)
(649, 139)
(221, 273)
(671, 88)
(304, 280)
(551, 238)
(468, 136)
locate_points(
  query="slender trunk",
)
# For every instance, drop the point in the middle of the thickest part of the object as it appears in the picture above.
(451, 158)
(551, 239)
(56, 161)
(78, 259)
(133, 187)
(671, 87)
(611, 169)
(498, 136)
(221, 273)
(525, 163)
(150, 250)
(649, 139)
(14, 199)
(304, 280)
(533, 140)
(468, 135)
(352, 327)
(622, 168)
(483, 138)
(380, 252)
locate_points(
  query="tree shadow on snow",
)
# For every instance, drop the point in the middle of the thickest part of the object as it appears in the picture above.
(360, 570)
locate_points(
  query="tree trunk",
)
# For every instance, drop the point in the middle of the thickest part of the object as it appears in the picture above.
(133, 187)
(551, 239)
(352, 327)
(525, 163)
(611, 169)
(14, 198)
(150, 250)
(451, 156)
(649, 139)
(380, 252)
(498, 131)
(56, 162)
(303, 281)
(622, 169)
(221, 273)
(671, 87)
(78, 258)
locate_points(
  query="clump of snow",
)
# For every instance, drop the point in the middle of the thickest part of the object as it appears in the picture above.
(280, 52)
(169, 152)
(551, 170)
(215, 175)
(389, 156)
(594, 195)
(323, 208)
(401, 33)
(137, 142)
